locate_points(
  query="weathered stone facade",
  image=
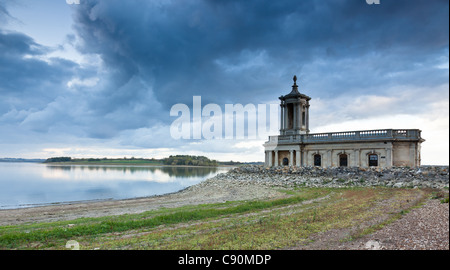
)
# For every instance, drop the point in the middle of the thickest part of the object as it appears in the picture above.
(295, 146)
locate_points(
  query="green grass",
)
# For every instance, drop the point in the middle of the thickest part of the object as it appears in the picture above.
(261, 224)
(441, 195)
(13, 236)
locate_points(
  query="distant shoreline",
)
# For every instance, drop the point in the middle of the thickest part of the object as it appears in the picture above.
(134, 164)
(21, 160)
(176, 160)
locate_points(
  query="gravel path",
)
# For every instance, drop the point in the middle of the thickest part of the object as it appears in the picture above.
(424, 228)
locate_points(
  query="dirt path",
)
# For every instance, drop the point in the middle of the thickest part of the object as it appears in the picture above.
(423, 228)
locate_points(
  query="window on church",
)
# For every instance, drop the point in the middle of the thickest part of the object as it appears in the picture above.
(373, 160)
(343, 160)
(290, 115)
(304, 118)
(317, 160)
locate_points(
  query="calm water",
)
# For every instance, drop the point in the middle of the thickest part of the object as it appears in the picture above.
(34, 184)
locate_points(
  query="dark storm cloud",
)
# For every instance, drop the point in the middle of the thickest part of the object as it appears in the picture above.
(50, 94)
(240, 51)
(158, 53)
(26, 81)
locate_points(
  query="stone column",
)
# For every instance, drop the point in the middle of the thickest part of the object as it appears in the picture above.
(297, 158)
(291, 157)
(388, 157)
(302, 156)
(412, 155)
(276, 158)
(307, 118)
(357, 158)
(270, 158)
(282, 118)
(329, 158)
(306, 158)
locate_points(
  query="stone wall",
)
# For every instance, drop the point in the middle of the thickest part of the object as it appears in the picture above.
(397, 177)
(357, 154)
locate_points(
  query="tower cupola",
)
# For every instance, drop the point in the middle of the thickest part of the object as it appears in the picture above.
(294, 112)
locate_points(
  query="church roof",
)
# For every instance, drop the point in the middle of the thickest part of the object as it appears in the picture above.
(294, 93)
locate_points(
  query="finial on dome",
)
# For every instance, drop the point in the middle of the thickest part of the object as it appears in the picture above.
(295, 80)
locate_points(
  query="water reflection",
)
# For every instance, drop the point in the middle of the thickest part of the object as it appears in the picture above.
(172, 171)
(26, 184)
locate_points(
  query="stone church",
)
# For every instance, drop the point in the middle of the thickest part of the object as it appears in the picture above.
(295, 146)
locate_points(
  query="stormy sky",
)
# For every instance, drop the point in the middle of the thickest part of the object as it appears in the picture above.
(98, 79)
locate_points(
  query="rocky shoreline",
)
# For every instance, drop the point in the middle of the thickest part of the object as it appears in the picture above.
(396, 177)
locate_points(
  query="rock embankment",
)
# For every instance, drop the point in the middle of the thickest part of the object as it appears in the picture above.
(397, 177)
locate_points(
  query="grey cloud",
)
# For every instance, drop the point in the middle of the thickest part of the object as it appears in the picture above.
(175, 46)
(158, 53)
(26, 81)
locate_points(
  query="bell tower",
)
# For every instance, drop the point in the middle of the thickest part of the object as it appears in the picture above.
(294, 112)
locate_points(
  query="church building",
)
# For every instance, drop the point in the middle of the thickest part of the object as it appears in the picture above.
(295, 146)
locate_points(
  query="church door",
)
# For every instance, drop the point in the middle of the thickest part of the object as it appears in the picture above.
(343, 160)
(373, 160)
(285, 161)
(317, 160)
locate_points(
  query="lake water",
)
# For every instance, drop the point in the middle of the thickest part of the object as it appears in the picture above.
(35, 184)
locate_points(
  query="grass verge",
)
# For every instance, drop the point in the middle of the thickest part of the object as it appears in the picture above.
(264, 224)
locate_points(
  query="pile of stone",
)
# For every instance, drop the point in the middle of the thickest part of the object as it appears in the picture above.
(398, 177)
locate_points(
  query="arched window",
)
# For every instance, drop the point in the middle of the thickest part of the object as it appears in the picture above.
(373, 160)
(285, 161)
(343, 160)
(290, 115)
(317, 160)
(304, 118)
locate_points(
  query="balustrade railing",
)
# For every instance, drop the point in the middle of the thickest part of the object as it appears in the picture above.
(364, 135)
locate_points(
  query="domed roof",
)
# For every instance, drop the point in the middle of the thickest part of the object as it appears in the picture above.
(294, 93)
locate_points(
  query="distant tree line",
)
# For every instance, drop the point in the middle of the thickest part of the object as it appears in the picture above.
(171, 160)
(189, 160)
(230, 162)
(58, 159)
